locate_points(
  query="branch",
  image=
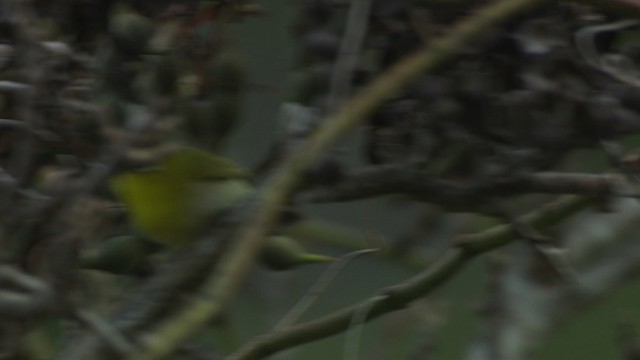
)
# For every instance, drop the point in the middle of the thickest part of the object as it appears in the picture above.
(457, 195)
(399, 296)
(515, 327)
(626, 8)
(222, 285)
(350, 48)
(23, 295)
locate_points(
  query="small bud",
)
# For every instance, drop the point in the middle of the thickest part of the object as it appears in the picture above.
(283, 253)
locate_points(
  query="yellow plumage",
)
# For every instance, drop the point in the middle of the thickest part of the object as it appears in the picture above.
(171, 202)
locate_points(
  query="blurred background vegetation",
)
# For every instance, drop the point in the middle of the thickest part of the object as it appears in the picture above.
(541, 105)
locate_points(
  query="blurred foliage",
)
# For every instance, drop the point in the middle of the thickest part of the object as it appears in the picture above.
(89, 88)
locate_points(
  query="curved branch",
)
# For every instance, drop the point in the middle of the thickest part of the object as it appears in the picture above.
(222, 285)
(399, 296)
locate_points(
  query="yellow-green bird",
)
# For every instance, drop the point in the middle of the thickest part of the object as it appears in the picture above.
(170, 203)
(174, 201)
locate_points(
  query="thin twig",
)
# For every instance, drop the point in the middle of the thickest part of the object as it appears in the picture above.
(13, 86)
(356, 326)
(323, 282)
(21, 125)
(23, 295)
(555, 256)
(107, 332)
(350, 47)
(585, 43)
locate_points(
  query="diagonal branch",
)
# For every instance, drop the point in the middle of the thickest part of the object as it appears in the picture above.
(222, 285)
(399, 296)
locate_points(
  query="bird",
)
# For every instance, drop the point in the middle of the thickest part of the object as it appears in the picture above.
(172, 202)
